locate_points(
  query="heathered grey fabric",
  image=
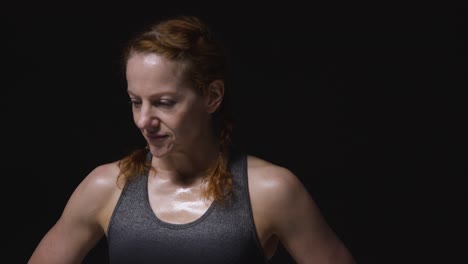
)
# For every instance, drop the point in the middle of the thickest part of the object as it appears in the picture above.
(224, 234)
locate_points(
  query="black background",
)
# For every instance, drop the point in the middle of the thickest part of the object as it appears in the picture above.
(364, 103)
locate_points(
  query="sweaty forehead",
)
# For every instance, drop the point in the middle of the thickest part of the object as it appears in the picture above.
(150, 73)
(151, 60)
(150, 64)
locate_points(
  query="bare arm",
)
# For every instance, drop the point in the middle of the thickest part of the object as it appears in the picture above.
(283, 205)
(80, 226)
(303, 230)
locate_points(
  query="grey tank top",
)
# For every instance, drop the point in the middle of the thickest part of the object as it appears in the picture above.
(224, 234)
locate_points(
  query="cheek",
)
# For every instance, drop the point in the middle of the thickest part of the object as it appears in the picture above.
(190, 123)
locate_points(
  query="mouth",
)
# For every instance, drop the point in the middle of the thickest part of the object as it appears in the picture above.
(156, 137)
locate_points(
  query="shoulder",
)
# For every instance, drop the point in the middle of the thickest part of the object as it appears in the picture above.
(283, 207)
(274, 186)
(277, 194)
(266, 177)
(96, 195)
(102, 178)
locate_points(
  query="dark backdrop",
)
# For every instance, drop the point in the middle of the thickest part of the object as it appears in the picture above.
(363, 103)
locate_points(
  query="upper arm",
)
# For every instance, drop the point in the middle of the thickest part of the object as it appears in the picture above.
(80, 226)
(296, 220)
(302, 228)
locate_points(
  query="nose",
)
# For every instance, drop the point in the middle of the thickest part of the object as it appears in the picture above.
(146, 117)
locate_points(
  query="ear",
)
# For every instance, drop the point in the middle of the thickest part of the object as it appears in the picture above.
(214, 95)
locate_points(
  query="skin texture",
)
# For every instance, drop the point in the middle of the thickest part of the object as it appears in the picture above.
(176, 122)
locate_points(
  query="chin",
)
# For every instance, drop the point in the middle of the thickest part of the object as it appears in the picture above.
(160, 151)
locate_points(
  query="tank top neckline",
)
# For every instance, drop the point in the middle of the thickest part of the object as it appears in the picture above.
(169, 224)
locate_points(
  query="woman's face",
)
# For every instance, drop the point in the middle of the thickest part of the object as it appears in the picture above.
(167, 110)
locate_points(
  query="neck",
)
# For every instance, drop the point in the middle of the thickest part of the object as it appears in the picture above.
(183, 166)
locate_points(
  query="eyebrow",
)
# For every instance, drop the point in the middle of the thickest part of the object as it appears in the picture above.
(156, 94)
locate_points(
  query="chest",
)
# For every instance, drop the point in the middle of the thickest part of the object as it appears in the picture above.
(145, 228)
(178, 206)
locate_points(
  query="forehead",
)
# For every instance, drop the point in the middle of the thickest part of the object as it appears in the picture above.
(155, 73)
(152, 64)
(151, 59)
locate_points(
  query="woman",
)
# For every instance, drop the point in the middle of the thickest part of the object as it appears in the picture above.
(188, 196)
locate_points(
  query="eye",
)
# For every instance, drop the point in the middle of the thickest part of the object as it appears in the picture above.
(164, 103)
(135, 103)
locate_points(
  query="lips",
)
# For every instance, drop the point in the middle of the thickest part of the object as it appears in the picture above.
(156, 137)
